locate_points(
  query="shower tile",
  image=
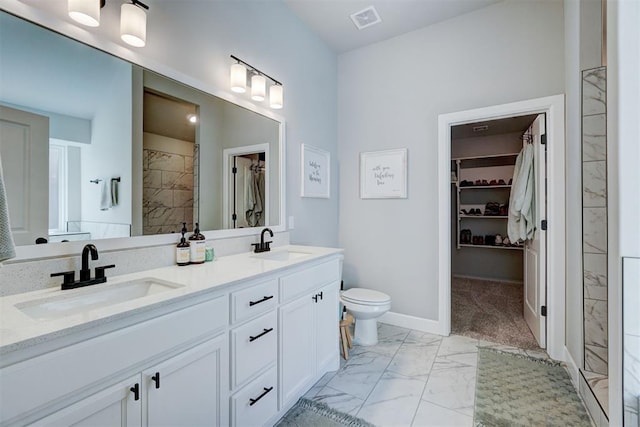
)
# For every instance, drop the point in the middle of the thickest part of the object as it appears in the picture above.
(594, 138)
(152, 179)
(188, 164)
(595, 359)
(177, 180)
(157, 198)
(594, 87)
(182, 198)
(595, 323)
(594, 229)
(595, 276)
(594, 184)
(166, 161)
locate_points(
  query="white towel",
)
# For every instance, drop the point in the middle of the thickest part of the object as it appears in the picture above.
(7, 246)
(105, 196)
(521, 221)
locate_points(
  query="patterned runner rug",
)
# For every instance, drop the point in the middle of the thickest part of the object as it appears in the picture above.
(308, 413)
(517, 390)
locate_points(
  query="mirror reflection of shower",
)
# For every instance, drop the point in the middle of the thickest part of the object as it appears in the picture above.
(248, 194)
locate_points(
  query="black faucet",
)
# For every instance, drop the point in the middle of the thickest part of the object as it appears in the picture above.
(69, 281)
(263, 246)
(85, 271)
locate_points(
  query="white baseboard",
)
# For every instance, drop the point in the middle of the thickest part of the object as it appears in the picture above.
(412, 322)
(462, 276)
(572, 367)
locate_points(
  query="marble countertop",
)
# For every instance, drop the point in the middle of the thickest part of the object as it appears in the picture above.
(19, 330)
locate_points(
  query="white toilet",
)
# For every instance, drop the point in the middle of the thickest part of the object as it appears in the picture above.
(365, 305)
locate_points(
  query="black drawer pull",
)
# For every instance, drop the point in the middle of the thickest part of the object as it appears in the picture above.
(136, 391)
(156, 379)
(264, 332)
(264, 393)
(320, 295)
(252, 303)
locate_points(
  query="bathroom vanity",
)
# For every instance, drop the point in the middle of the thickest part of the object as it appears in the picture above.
(232, 342)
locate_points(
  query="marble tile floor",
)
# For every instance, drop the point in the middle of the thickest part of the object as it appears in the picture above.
(409, 378)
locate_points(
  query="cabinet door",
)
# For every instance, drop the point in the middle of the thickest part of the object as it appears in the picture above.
(327, 327)
(189, 389)
(297, 361)
(117, 405)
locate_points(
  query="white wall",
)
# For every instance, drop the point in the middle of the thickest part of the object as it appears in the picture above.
(390, 95)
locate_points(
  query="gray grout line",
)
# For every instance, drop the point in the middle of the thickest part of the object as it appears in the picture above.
(413, 420)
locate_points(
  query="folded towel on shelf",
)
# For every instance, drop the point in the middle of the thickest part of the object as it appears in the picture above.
(7, 246)
(105, 196)
(114, 191)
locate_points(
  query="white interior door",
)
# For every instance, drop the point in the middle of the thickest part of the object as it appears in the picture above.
(24, 152)
(535, 271)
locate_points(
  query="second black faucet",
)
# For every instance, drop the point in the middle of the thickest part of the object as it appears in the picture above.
(263, 246)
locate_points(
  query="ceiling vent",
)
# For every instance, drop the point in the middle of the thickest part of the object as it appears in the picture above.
(480, 128)
(366, 18)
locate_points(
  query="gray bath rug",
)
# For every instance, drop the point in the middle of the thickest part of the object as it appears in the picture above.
(517, 390)
(308, 413)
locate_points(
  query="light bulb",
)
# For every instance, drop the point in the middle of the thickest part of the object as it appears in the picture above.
(192, 118)
(238, 78)
(86, 12)
(276, 96)
(258, 87)
(133, 25)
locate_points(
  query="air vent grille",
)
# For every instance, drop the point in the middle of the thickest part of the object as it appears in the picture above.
(366, 18)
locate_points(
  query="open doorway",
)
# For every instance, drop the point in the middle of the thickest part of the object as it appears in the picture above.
(498, 172)
(553, 303)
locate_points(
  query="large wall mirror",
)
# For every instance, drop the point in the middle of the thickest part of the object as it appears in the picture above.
(94, 147)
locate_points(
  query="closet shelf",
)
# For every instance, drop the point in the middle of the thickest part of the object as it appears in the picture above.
(488, 156)
(482, 187)
(483, 216)
(465, 245)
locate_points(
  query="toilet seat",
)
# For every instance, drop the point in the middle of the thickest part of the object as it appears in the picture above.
(365, 296)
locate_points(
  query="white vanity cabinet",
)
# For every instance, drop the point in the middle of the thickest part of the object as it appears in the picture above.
(309, 326)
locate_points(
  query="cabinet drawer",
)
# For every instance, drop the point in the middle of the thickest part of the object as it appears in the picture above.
(254, 300)
(254, 346)
(256, 403)
(60, 373)
(303, 281)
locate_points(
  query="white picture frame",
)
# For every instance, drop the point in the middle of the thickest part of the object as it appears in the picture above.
(315, 172)
(383, 174)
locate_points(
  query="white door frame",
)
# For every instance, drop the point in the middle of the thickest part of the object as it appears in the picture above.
(553, 106)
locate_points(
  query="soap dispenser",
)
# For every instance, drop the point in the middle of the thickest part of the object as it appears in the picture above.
(198, 246)
(183, 250)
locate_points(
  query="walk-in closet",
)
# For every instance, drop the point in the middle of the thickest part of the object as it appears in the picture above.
(493, 255)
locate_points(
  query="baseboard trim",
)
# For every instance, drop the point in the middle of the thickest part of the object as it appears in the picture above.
(412, 322)
(572, 367)
(462, 276)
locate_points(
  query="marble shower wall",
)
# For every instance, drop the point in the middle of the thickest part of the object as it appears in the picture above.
(167, 190)
(594, 219)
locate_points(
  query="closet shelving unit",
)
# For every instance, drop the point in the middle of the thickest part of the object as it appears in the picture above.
(485, 167)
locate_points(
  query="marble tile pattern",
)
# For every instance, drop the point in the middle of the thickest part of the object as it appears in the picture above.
(409, 378)
(594, 218)
(168, 192)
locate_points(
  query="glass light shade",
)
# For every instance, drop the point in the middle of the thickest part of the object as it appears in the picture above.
(133, 25)
(238, 78)
(86, 12)
(258, 87)
(276, 96)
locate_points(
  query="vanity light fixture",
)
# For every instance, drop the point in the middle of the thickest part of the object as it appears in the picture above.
(86, 12)
(133, 23)
(133, 18)
(258, 83)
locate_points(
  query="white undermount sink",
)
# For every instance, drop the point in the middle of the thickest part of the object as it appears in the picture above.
(93, 297)
(283, 255)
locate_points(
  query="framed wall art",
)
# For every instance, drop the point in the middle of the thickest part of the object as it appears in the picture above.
(383, 174)
(315, 173)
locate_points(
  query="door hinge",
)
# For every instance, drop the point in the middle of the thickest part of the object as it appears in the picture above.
(234, 217)
(544, 225)
(234, 170)
(543, 139)
(543, 310)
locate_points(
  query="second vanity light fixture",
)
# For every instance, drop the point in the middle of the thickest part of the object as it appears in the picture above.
(258, 83)
(133, 18)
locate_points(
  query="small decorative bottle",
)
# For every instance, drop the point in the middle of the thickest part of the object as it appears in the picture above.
(198, 246)
(183, 250)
